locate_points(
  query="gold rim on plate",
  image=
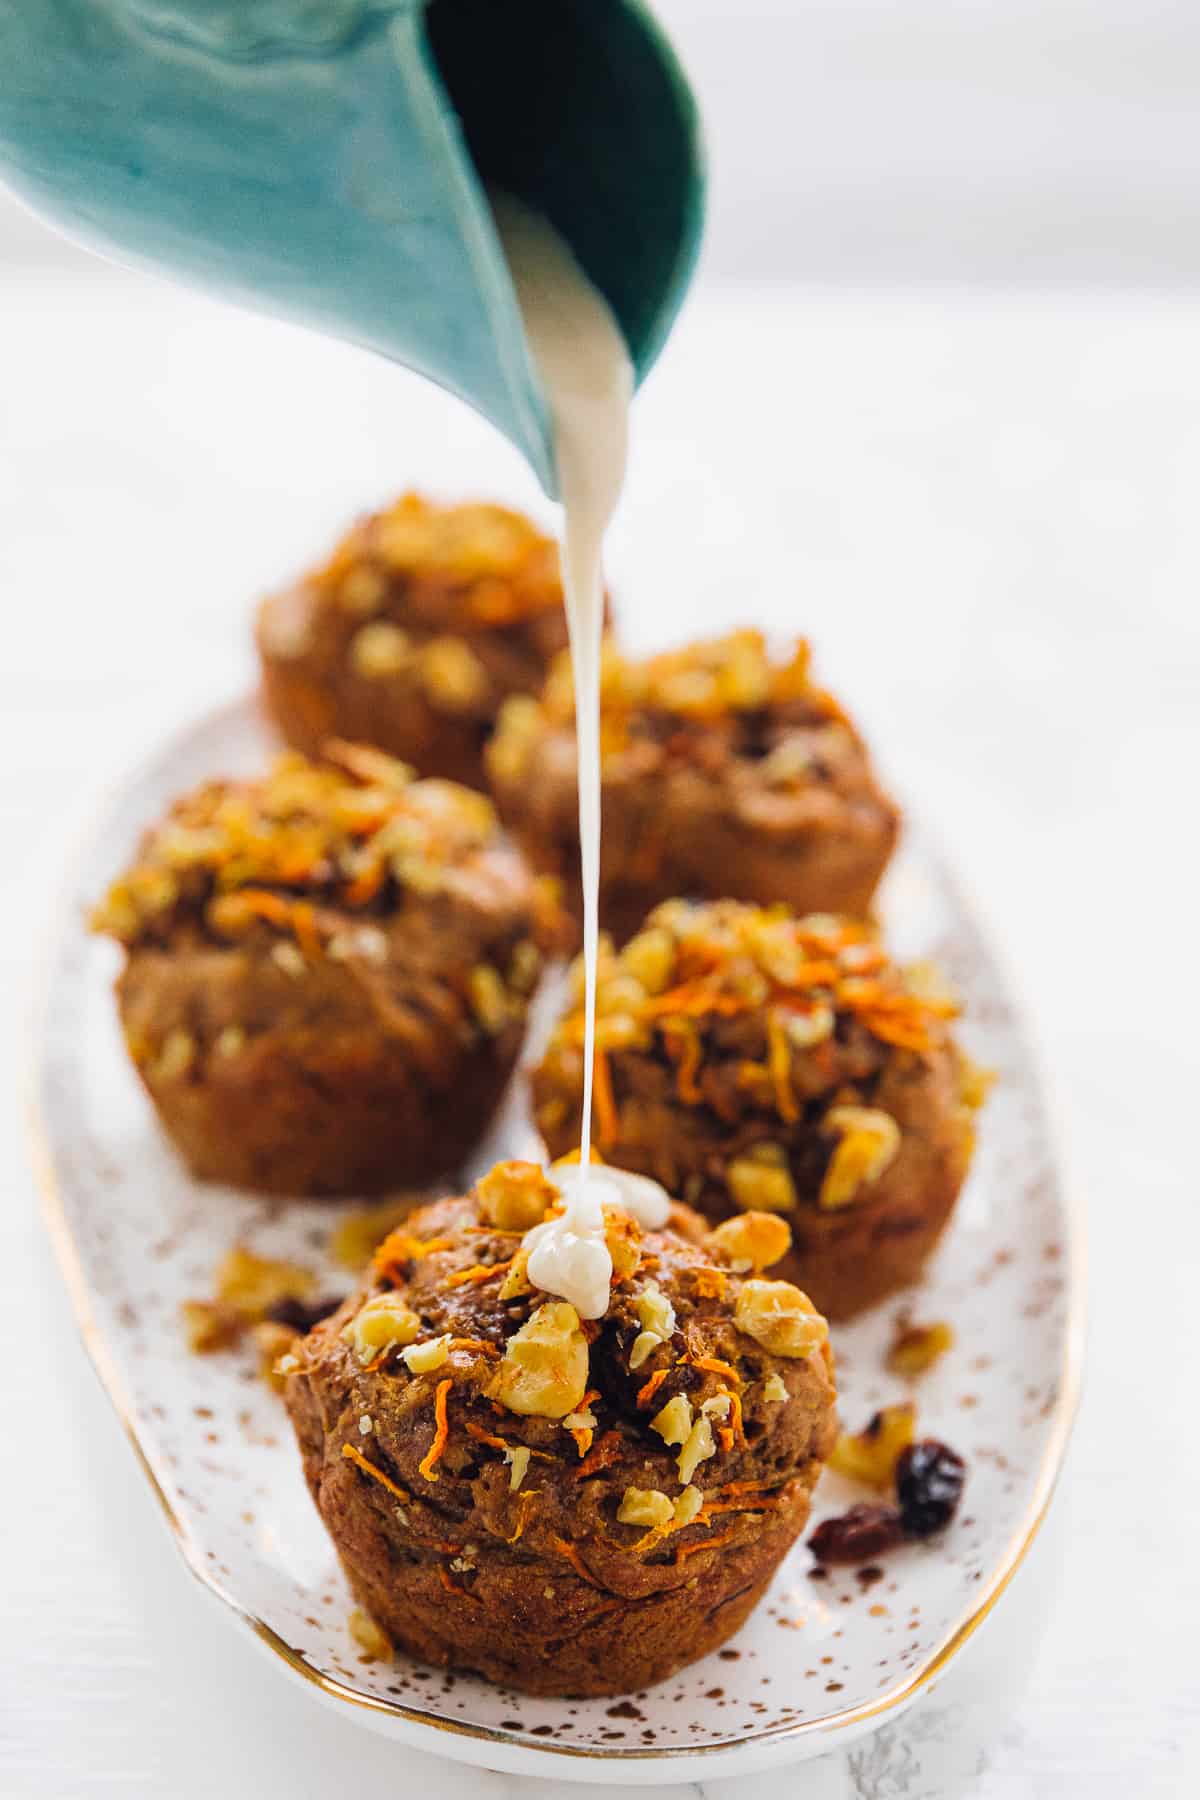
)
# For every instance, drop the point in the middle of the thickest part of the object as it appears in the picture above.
(896, 1698)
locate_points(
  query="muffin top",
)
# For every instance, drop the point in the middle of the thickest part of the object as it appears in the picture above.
(712, 704)
(491, 1408)
(422, 591)
(469, 565)
(315, 852)
(754, 1022)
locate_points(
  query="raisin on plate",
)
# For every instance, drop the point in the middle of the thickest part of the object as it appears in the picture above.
(930, 1478)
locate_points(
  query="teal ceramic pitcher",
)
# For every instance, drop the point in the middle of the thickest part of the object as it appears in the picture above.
(328, 160)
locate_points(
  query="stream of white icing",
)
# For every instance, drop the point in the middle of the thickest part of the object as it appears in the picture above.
(587, 377)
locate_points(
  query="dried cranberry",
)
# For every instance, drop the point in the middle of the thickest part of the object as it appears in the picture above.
(857, 1536)
(302, 1315)
(930, 1478)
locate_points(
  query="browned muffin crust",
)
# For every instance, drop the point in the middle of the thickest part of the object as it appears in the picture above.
(327, 973)
(493, 1539)
(423, 621)
(724, 773)
(750, 1059)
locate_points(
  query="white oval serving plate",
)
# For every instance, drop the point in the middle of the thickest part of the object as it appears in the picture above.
(823, 1659)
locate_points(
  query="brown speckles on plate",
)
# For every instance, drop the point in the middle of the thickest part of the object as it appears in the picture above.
(139, 1237)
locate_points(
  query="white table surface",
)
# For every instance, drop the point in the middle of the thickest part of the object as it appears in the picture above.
(984, 511)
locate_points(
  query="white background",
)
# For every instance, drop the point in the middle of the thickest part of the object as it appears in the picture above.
(938, 402)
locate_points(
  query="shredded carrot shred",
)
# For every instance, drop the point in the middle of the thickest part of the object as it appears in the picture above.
(779, 1061)
(735, 1419)
(272, 907)
(607, 1451)
(750, 1505)
(690, 1054)
(683, 1551)
(304, 924)
(498, 1443)
(366, 884)
(607, 1123)
(647, 1393)
(356, 1456)
(486, 1437)
(400, 1247)
(441, 1432)
(478, 1272)
(572, 1556)
(813, 974)
(470, 1343)
(715, 1366)
(691, 1000)
(710, 1283)
(583, 1436)
(452, 1587)
(746, 1487)
(725, 1436)
(524, 1508)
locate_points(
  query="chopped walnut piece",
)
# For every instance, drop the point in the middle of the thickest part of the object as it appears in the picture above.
(517, 1457)
(381, 1324)
(655, 1311)
(380, 649)
(870, 1455)
(211, 1325)
(775, 1388)
(623, 1236)
(375, 1645)
(650, 959)
(644, 1346)
(673, 1422)
(248, 1287)
(420, 1359)
(255, 1283)
(516, 1283)
(544, 1369)
(916, 1348)
(361, 590)
(780, 1317)
(760, 1181)
(688, 1505)
(289, 958)
(452, 673)
(489, 999)
(515, 1196)
(699, 1446)
(752, 1241)
(868, 1140)
(175, 1058)
(645, 1506)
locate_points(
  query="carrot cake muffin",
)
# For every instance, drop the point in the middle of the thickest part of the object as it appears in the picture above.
(327, 972)
(566, 1503)
(747, 1058)
(724, 771)
(422, 622)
